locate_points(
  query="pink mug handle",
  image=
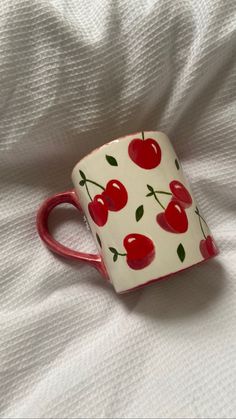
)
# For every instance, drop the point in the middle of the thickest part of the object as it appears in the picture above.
(68, 197)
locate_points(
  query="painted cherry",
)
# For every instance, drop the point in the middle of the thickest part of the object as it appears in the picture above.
(211, 246)
(140, 251)
(208, 247)
(98, 210)
(176, 217)
(161, 220)
(115, 195)
(146, 153)
(180, 194)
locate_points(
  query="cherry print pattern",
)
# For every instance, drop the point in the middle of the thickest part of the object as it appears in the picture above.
(140, 251)
(98, 210)
(161, 220)
(146, 153)
(180, 194)
(114, 197)
(174, 218)
(207, 245)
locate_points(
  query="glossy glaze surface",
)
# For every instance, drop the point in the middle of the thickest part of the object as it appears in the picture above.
(141, 210)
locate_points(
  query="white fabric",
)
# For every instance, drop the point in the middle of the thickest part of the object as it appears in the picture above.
(73, 75)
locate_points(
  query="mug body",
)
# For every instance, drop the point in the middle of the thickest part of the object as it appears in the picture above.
(141, 211)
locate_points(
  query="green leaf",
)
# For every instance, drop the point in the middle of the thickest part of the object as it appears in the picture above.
(150, 194)
(82, 182)
(115, 257)
(82, 175)
(111, 160)
(150, 188)
(177, 164)
(139, 213)
(181, 252)
(113, 250)
(99, 240)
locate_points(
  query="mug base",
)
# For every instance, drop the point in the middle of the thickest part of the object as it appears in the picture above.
(166, 277)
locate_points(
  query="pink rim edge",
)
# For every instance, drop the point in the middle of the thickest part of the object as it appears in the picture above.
(111, 142)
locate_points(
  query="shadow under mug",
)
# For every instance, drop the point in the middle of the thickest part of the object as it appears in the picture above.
(141, 211)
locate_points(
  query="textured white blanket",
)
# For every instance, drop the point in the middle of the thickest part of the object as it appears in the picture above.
(73, 75)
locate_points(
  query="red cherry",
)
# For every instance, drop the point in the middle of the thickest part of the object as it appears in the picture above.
(203, 249)
(181, 193)
(176, 217)
(140, 251)
(161, 220)
(208, 247)
(98, 210)
(115, 195)
(145, 153)
(211, 246)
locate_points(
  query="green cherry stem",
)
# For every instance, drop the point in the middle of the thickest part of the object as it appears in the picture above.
(116, 253)
(200, 222)
(85, 181)
(202, 227)
(95, 183)
(163, 192)
(201, 217)
(87, 189)
(154, 193)
(142, 135)
(159, 202)
(113, 250)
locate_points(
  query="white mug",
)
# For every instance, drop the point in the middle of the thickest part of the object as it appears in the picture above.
(140, 209)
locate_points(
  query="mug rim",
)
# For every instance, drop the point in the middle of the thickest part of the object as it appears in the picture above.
(95, 150)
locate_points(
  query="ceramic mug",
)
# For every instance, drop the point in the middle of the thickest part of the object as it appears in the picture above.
(140, 209)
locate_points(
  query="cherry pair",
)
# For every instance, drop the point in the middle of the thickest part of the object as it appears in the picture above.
(174, 218)
(113, 198)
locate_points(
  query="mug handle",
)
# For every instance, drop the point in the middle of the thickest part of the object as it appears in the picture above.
(68, 197)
